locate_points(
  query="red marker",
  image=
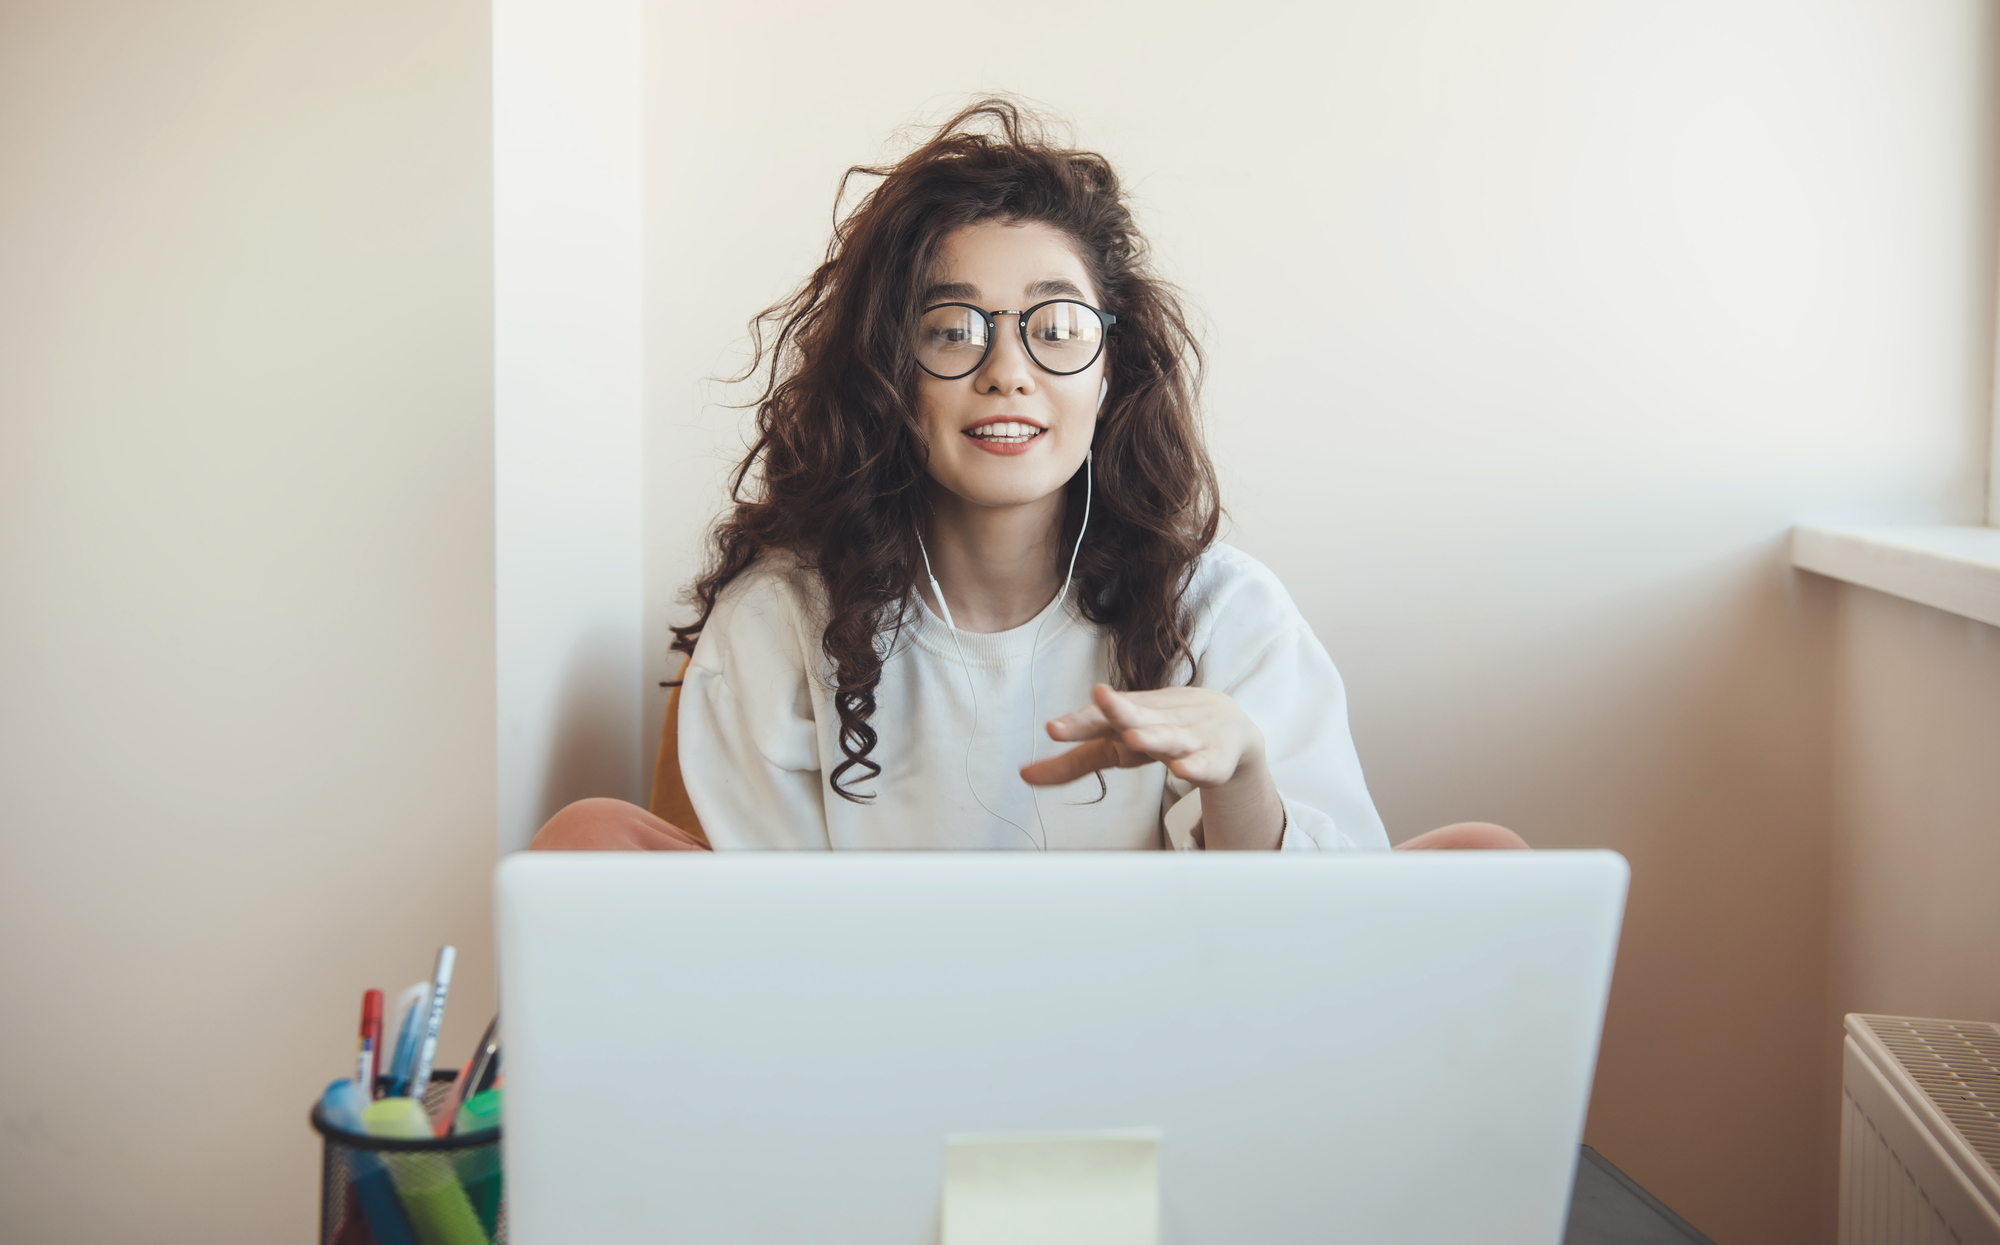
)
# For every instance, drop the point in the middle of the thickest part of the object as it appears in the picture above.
(371, 1041)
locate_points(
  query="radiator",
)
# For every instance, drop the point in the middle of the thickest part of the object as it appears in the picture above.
(1920, 1132)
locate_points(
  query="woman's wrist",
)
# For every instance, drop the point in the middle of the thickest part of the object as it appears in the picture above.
(1245, 813)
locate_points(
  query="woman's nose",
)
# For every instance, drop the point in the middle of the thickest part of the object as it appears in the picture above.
(1007, 368)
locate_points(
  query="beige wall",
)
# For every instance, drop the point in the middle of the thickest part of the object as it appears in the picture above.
(1586, 306)
(1917, 826)
(1534, 326)
(246, 586)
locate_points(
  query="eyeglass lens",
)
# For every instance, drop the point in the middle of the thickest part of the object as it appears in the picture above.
(1063, 337)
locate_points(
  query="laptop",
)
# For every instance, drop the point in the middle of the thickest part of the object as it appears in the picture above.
(793, 1047)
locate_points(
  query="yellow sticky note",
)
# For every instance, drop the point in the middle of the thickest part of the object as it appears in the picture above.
(1100, 1188)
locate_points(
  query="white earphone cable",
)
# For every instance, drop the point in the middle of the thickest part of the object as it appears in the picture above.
(971, 687)
(1034, 700)
(1034, 695)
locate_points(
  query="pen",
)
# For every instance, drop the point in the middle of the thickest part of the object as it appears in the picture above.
(487, 1075)
(371, 1041)
(467, 1083)
(427, 1037)
(485, 1060)
(408, 1005)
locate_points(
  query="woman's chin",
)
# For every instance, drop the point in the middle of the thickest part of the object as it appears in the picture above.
(1004, 500)
(1000, 495)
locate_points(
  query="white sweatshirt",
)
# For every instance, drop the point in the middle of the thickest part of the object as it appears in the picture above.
(759, 735)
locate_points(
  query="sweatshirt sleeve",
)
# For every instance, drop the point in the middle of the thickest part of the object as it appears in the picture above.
(1261, 651)
(748, 746)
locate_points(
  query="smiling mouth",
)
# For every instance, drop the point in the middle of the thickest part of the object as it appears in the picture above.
(1005, 433)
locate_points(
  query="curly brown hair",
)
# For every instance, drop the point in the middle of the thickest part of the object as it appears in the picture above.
(836, 475)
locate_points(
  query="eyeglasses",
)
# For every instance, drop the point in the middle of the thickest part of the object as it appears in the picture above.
(1062, 336)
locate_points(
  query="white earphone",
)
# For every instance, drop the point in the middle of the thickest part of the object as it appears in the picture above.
(1034, 697)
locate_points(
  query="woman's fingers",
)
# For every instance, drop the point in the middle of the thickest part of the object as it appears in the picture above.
(1201, 767)
(1081, 760)
(1180, 726)
(1123, 709)
(1109, 712)
(1164, 743)
(1116, 708)
(1085, 723)
(1069, 766)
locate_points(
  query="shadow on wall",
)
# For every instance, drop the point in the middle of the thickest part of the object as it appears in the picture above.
(595, 749)
(1721, 1024)
(1678, 713)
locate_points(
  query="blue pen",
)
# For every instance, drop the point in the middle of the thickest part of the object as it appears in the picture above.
(342, 1106)
(409, 1020)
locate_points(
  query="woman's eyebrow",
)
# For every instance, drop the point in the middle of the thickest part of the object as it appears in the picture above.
(965, 291)
(950, 292)
(1054, 287)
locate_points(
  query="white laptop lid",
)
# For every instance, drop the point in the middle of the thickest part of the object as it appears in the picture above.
(774, 1047)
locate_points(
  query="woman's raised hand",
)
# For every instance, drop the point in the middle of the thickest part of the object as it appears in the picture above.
(1200, 734)
(607, 825)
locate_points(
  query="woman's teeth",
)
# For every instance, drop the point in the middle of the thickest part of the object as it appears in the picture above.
(1010, 433)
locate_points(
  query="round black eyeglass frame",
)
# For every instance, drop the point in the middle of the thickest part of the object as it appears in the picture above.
(1022, 317)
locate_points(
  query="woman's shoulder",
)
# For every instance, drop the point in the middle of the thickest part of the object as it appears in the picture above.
(1242, 615)
(1229, 583)
(762, 614)
(778, 576)
(1237, 604)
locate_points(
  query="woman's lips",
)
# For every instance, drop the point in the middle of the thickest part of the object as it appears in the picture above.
(1004, 437)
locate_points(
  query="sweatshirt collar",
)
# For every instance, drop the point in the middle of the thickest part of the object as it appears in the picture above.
(997, 648)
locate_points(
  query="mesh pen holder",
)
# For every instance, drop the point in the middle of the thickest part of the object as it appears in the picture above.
(418, 1191)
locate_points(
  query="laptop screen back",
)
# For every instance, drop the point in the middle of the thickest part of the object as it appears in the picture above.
(775, 1048)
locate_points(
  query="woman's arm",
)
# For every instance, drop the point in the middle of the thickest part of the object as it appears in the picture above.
(749, 743)
(1195, 732)
(1260, 732)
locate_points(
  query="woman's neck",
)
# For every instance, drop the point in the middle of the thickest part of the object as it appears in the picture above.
(999, 566)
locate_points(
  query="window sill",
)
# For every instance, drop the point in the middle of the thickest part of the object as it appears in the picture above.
(1956, 569)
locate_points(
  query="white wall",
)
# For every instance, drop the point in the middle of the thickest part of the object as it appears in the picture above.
(246, 587)
(1533, 325)
(567, 296)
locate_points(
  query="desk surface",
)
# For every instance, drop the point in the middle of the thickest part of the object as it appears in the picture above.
(1608, 1208)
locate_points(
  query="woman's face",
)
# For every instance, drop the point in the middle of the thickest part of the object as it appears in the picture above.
(1011, 433)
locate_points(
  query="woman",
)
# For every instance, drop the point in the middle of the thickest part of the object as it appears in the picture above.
(978, 488)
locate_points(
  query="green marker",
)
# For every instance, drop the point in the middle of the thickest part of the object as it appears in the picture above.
(479, 1112)
(479, 1166)
(428, 1183)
